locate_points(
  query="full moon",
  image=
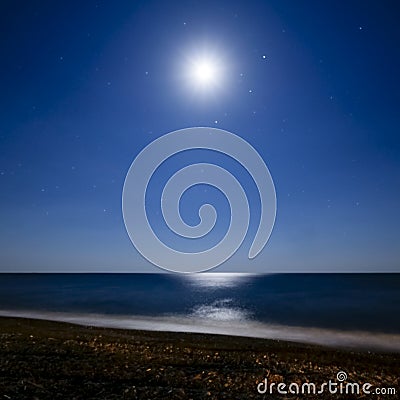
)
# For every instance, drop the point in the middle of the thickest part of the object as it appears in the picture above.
(205, 72)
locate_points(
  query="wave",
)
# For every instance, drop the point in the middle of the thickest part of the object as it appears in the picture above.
(228, 322)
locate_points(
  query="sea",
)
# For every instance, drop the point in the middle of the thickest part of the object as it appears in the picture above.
(359, 311)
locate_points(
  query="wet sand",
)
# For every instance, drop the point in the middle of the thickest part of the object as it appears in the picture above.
(55, 360)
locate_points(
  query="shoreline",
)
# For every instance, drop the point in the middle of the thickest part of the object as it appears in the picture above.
(48, 360)
(338, 339)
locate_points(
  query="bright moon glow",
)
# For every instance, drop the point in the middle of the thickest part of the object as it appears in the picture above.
(204, 73)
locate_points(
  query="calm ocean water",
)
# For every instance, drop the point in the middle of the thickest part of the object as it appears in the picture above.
(339, 309)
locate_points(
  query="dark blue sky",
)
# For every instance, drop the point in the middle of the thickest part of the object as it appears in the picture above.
(312, 85)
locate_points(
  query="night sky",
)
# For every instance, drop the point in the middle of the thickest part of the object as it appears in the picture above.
(312, 85)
